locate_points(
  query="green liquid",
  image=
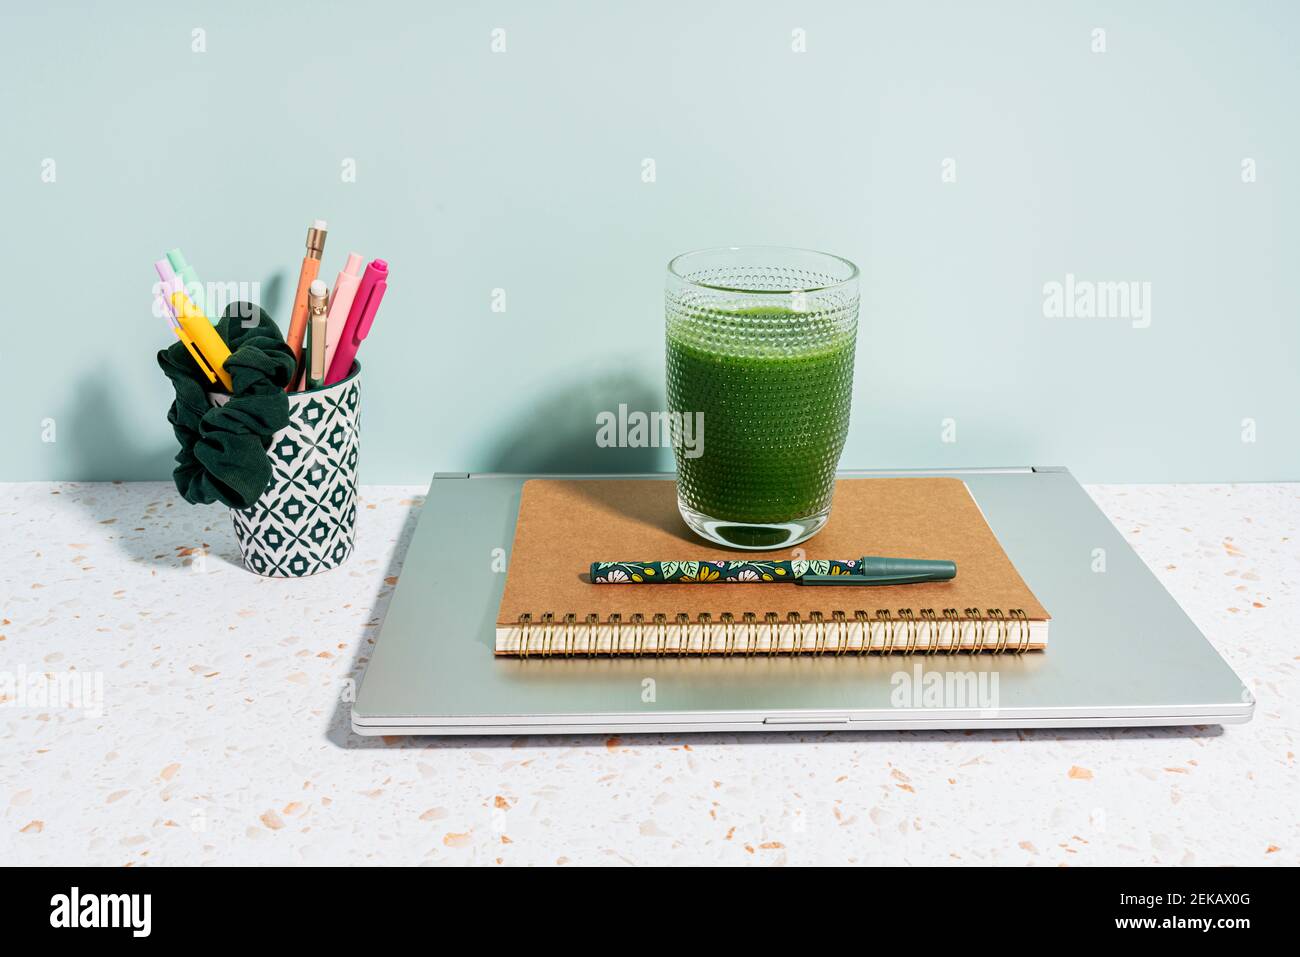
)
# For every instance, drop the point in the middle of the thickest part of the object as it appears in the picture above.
(774, 424)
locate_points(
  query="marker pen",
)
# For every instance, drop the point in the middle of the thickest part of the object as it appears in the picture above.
(298, 318)
(168, 279)
(315, 374)
(360, 318)
(189, 278)
(341, 296)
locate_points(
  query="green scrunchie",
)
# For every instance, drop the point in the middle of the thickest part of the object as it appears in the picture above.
(223, 448)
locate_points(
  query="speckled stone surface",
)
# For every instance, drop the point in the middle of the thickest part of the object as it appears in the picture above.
(221, 734)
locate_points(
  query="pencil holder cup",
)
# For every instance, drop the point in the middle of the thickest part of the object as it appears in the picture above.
(305, 522)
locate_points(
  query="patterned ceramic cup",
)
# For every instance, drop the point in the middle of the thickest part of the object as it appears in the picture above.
(305, 521)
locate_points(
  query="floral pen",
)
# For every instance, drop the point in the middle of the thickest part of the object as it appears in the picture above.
(867, 570)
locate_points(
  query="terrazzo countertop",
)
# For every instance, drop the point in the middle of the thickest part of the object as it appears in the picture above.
(220, 733)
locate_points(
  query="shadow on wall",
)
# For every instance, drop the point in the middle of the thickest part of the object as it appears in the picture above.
(558, 433)
(272, 293)
(103, 448)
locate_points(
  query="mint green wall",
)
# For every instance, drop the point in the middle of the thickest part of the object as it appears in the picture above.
(523, 171)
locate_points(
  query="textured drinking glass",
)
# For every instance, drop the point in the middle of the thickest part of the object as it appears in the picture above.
(760, 345)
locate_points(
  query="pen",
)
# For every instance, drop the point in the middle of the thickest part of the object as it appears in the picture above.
(188, 343)
(298, 318)
(189, 278)
(868, 570)
(360, 318)
(170, 283)
(195, 325)
(316, 337)
(341, 296)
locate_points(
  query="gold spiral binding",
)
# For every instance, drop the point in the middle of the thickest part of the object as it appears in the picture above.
(819, 632)
(525, 640)
(728, 634)
(993, 631)
(977, 620)
(637, 621)
(569, 621)
(886, 620)
(931, 623)
(773, 632)
(996, 623)
(864, 622)
(1000, 624)
(684, 630)
(841, 632)
(616, 634)
(954, 630)
(1022, 621)
(548, 624)
(908, 621)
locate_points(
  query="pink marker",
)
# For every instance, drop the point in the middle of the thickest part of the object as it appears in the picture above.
(360, 318)
(341, 298)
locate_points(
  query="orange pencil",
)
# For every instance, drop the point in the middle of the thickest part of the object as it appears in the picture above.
(298, 318)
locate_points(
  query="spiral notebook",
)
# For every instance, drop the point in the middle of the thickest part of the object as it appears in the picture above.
(550, 607)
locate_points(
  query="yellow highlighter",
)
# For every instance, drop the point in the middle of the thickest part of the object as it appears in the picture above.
(200, 332)
(188, 343)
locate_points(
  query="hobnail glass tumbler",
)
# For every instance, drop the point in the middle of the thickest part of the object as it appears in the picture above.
(759, 348)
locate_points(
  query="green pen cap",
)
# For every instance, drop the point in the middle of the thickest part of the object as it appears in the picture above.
(889, 571)
(934, 570)
(189, 278)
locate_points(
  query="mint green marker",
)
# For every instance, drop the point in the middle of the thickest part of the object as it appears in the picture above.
(190, 279)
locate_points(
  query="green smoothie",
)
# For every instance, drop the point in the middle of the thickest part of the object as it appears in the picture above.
(775, 387)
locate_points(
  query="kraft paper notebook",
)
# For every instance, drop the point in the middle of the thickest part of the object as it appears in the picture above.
(551, 607)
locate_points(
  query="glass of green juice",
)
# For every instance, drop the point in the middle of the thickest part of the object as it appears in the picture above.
(760, 343)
